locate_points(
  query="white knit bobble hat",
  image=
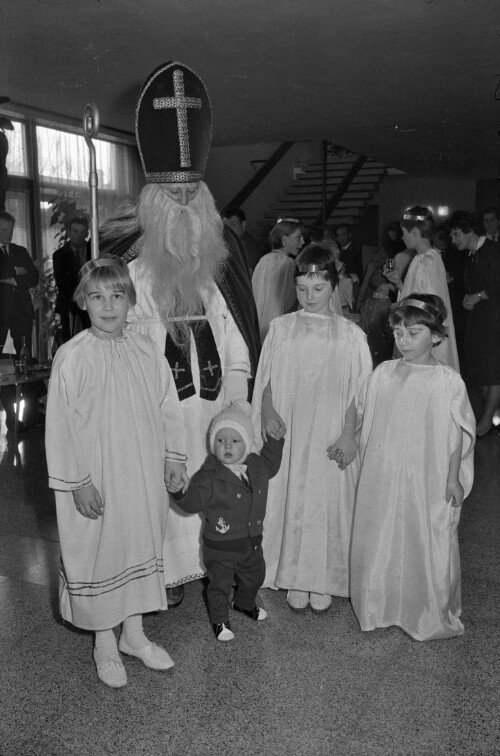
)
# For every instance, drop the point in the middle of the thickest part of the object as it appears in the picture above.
(237, 416)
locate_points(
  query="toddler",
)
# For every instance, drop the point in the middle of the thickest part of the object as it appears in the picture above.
(230, 489)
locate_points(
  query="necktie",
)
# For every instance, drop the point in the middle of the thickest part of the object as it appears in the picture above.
(5, 250)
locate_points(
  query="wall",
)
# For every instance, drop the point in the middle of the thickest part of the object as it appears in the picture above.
(399, 192)
(230, 168)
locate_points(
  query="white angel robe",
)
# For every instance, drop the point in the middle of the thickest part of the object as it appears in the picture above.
(427, 275)
(273, 288)
(113, 417)
(405, 563)
(316, 365)
(182, 546)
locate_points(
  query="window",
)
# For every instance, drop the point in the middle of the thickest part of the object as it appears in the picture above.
(62, 167)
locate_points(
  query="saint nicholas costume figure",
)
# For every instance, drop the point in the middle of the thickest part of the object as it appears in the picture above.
(194, 296)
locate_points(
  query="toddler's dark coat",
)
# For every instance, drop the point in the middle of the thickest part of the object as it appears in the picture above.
(233, 509)
(234, 513)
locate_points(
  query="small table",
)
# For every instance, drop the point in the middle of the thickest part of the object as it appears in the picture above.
(10, 379)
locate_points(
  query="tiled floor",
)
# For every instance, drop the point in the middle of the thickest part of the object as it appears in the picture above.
(293, 685)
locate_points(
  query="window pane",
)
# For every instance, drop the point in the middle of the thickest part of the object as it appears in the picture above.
(63, 164)
(64, 157)
(17, 204)
(17, 164)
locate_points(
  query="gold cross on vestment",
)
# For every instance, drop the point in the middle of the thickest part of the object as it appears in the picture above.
(210, 367)
(181, 103)
(176, 370)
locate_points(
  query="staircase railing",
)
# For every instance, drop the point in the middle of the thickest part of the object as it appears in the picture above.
(261, 174)
(337, 195)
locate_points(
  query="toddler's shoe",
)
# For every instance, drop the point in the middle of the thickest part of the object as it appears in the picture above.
(298, 601)
(151, 655)
(320, 602)
(110, 669)
(257, 613)
(223, 631)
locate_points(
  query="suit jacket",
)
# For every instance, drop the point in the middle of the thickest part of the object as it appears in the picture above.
(67, 265)
(353, 258)
(16, 301)
(232, 509)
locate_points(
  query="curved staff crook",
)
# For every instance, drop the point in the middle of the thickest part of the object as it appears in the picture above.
(91, 129)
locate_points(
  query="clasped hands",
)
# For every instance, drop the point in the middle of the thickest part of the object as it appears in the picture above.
(175, 476)
(343, 451)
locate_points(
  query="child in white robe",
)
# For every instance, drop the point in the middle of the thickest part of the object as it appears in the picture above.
(426, 275)
(311, 370)
(416, 445)
(114, 439)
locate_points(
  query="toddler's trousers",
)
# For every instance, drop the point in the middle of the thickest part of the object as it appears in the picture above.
(242, 559)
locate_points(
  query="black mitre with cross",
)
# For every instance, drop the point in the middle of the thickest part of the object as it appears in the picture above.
(173, 125)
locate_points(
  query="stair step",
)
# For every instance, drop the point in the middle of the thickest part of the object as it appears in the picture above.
(309, 216)
(347, 162)
(318, 175)
(317, 197)
(305, 186)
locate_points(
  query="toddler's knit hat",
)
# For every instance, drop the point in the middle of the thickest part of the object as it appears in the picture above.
(237, 416)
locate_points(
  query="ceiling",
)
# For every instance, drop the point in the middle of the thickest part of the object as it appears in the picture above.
(414, 83)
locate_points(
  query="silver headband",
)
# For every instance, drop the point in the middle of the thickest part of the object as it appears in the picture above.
(411, 217)
(101, 262)
(421, 306)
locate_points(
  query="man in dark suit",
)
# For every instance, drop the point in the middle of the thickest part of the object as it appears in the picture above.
(18, 274)
(491, 223)
(235, 219)
(67, 261)
(349, 253)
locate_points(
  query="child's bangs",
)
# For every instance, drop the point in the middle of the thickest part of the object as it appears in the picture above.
(114, 278)
(321, 275)
(411, 316)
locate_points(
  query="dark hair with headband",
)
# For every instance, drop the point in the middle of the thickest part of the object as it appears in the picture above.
(105, 273)
(420, 309)
(421, 218)
(284, 227)
(317, 260)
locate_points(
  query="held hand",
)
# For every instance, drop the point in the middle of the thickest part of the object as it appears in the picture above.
(343, 451)
(175, 476)
(455, 492)
(88, 502)
(234, 387)
(271, 423)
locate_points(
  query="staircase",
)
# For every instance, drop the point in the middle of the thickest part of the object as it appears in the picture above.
(303, 197)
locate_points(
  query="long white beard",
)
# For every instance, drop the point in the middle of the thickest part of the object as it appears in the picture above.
(181, 250)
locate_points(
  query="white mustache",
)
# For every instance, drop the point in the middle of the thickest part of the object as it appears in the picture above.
(182, 234)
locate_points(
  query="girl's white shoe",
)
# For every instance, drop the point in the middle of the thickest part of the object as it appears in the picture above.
(320, 602)
(298, 601)
(110, 669)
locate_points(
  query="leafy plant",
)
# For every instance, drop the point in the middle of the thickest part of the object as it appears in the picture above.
(64, 207)
(45, 302)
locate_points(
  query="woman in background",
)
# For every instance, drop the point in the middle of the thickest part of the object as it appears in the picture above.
(272, 281)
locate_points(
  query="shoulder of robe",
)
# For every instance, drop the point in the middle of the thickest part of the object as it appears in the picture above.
(71, 349)
(352, 330)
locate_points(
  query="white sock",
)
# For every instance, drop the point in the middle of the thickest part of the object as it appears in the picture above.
(133, 632)
(105, 641)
